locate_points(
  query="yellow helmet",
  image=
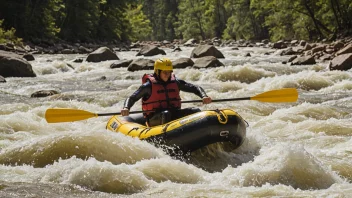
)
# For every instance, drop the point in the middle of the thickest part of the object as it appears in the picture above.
(163, 64)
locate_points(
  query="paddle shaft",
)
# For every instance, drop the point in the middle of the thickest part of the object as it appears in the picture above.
(111, 114)
(219, 100)
(69, 115)
(188, 101)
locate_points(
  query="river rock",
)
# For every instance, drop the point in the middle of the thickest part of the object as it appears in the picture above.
(279, 45)
(177, 49)
(206, 50)
(207, 62)
(342, 62)
(43, 93)
(150, 50)
(102, 54)
(120, 63)
(182, 63)
(78, 60)
(141, 64)
(2, 79)
(28, 57)
(12, 65)
(337, 45)
(304, 60)
(190, 42)
(292, 58)
(345, 50)
(318, 48)
(302, 43)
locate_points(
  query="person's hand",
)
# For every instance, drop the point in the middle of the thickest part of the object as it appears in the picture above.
(125, 112)
(206, 100)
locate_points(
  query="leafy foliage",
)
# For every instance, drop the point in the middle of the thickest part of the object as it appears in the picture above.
(140, 28)
(111, 20)
(193, 19)
(8, 35)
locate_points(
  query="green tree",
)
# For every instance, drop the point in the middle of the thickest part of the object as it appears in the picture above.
(284, 19)
(32, 19)
(243, 24)
(8, 35)
(192, 19)
(80, 21)
(217, 15)
(162, 15)
(140, 28)
(112, 23)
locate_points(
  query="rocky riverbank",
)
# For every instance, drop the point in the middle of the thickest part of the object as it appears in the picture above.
(15, 60)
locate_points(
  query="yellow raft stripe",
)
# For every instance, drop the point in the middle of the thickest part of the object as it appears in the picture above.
(142, 132)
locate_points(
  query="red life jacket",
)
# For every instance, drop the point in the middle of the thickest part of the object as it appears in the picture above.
(163, 96)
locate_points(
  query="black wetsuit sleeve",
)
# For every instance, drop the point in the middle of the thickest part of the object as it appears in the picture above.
(191, 88)
(143, 91)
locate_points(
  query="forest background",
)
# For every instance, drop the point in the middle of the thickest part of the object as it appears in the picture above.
(140, 20)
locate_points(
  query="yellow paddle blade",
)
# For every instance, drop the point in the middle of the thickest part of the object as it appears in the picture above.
(280, 95)
(67, 115)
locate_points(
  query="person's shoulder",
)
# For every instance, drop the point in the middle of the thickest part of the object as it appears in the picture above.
(147, 83)
(178, 80)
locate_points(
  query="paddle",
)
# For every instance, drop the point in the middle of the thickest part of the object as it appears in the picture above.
(70, 115)
(280, 95)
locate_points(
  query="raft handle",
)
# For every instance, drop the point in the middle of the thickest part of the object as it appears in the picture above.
(224, 133)
(222, 117)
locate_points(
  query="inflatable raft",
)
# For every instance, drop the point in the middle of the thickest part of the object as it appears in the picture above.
(188, 133)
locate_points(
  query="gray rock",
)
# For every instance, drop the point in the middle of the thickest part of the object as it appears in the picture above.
(342, 62)
(304, 60)
(207, 62)
(121, 63)
(12, 65)
(345, 50)
(190, 42)
(43, 93)
(150, 50)
(206, 50)
(102, 54)
(141, 64)
(28, 57)
(2, 79)
(182, 63)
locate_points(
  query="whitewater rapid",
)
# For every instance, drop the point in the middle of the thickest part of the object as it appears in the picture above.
(301, 149)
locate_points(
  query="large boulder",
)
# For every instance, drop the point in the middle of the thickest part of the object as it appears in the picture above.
(28, 57)
(337, 45)
(141, 64)
(345, 50)
(342, 62)
(318, 48)
(182, 63)
(288, 51)
(304, 60)
(206, 50)
(12, 65)
(279, 45)
(2, 79)
(102, 54)
(150, 50)
(207, 62)
(190, 42)
(120, 63)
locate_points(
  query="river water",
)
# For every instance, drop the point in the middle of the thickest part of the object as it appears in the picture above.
(301, 149)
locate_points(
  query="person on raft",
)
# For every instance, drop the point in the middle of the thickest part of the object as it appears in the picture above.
(160, 93)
